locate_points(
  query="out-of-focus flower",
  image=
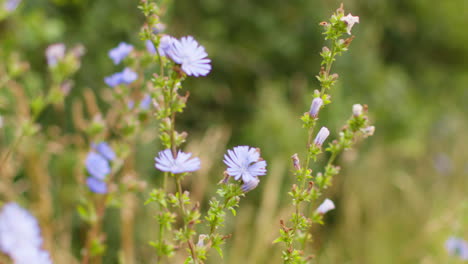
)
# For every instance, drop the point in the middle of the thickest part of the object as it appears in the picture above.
(457, 247)
(105, 150)
(321, 136)
(127, 76)
(166, 45)
(54, 53)
(326, 206)
(368, 131)
(190, 55)
(350, 20)
(96, 185)
(145, 103)
(248, 186)
(11, 5)
(20, 236)
(150, 47)
(315, 107)
(119, 53)
(180, 164)
(442, 163)
(31, 255)
(244, 163)
(158, 28)
(131, 104)
(97, 166)
(357, 110)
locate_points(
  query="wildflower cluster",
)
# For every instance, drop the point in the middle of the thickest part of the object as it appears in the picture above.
(309, 186)
(177, 59)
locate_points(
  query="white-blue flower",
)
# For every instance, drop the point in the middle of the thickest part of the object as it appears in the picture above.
(179, 164)
(188, 53)
(244, 163)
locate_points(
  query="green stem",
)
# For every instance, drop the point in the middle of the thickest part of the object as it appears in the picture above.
(184, 212)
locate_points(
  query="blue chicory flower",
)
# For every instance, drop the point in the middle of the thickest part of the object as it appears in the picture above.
(127, 76)
(179, 164)
(20, 236)
(145, 103)
(457, 247)
(105, 150)
(191, 56)
(55, 53)
(97, 166)
(119, 53)
(96, 185)
(11, 5)
(245, 163)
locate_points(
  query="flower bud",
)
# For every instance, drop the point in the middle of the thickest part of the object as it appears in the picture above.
(250, 185)
(296, 162)
(315, 107)
(357, 110)
(326, 206)
(55, 53)
(321, 136)
(368, 131)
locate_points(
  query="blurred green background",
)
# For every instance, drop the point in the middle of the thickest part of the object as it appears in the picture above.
(399, 196)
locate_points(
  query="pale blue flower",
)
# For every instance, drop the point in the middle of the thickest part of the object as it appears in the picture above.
(55, 53)
(145, 103)
(127, 76)
(31, 255)
(457, 247)
(97, 166)
(114, 79)
(11, 5)
(150, 47)
(105, 150)
(119, 53)
(180, 164)
(244, 163)
(321, 136)
(190, 55)
(96, 185)
(20, 235)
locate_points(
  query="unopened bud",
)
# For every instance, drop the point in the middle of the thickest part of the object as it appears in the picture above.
(201, 240)
(326, 206)
(368, 131)
(250, 185)
(315, 107)
(321, 136)
(296, 162)
(357, 110)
